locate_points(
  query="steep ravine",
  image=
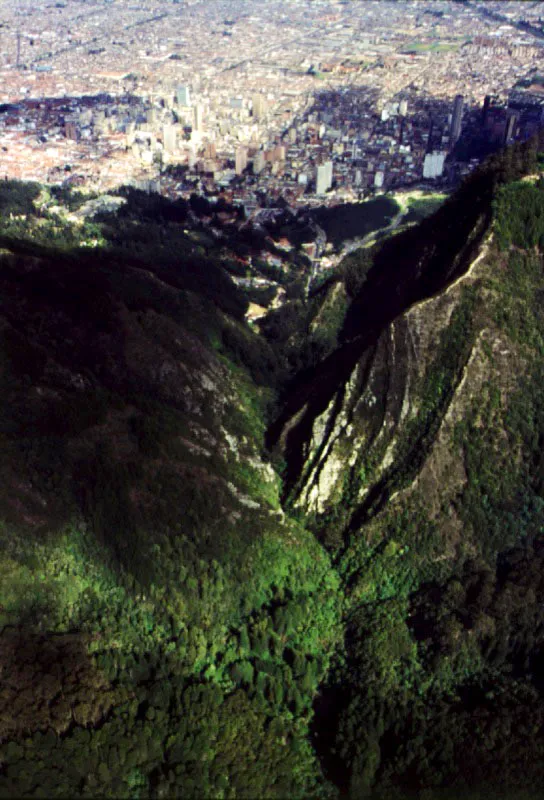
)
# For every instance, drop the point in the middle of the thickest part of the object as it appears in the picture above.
(385, 428)
(171, 626)
(339, 424)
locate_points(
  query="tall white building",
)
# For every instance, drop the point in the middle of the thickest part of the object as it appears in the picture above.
(199, 118)
(183, 96)
(259, 106)
(240, 159)
(259, 162)
(169, 138)
(324, 178)
(457, 118)
(433, 165)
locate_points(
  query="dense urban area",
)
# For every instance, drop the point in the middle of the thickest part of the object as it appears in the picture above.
(312, 101)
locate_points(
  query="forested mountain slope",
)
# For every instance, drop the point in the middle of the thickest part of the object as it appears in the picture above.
(164, 626)
(421, 471)
(176, 619)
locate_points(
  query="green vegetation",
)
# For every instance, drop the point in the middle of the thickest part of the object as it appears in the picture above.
(421, 207)
(185, 624)
(168, 626)
(431, 47)
(355, 220)
(303, 332)
(354, 270)
(523, 229)
(443, 655)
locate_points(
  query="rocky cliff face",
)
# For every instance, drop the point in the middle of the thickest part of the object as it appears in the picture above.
(363, 424)
(390, 430)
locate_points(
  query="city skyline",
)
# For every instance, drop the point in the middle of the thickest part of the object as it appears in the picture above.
(253, 100)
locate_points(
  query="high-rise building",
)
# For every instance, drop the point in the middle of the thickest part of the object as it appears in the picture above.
(429, 147)
(378, 179)
(511, 122)
(169, 137)
(241, 159)
(485, 108)
(183, 96)
(259, 162)
(433, 164)
(259, 106)
(199, 118)
(456, 120)
(70, 130)
(324, 178)
(210, 150)
(321, 180)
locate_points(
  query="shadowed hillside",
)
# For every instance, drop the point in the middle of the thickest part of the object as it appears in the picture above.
(295, 563)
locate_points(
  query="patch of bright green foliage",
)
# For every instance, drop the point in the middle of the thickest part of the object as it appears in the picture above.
(421, 207)
(254, 647)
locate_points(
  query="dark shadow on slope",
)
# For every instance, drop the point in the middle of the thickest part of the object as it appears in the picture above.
(408, 268)
(101, 356)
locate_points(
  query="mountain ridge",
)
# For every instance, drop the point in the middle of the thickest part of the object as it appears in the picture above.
(298, 620)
